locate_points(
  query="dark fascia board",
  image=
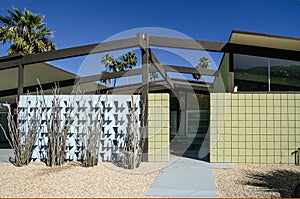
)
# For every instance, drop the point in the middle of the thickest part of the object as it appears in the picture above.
(71, 52)
(224, 47)
(264, 34)
(261, 51)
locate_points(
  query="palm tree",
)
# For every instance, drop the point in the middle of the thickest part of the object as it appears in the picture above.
(153, 76)
(203, 63)
(26, 32)
(127, 62)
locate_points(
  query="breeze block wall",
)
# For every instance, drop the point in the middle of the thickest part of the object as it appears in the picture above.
(254, 128)
(158, 127)
(115, 109)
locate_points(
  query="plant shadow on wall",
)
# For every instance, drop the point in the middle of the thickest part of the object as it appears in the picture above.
(22, 140)
(56, 129)
(282, 181)
(132, 149)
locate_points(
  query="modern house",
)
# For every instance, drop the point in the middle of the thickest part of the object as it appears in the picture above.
(249, 113)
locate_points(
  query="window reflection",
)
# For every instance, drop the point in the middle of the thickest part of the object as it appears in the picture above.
(285, 75)
(251, 74)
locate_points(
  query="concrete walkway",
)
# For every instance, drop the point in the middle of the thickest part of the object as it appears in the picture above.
(188, 178)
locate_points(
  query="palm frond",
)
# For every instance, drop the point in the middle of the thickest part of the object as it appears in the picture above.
(26, 31)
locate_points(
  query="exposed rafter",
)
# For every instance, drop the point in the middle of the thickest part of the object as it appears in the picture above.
(160, 69)
(70, 52)
(186, 43)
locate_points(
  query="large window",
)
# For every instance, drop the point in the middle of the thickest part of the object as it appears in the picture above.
(252, 73)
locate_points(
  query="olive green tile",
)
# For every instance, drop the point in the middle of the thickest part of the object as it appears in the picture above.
(241, 124)
(290, 96)
(255, 96)
(249, 145)
(263, 103)
(242, 116)
(256, 118)
(255, 159)
(283, 110)
(255, 110)
(234, 96)
(151, 145)
(227, 159)
(165, 96)
(277, 138)
(235, 145)
(255, 138)
(249, 159)
(255, 103)
(262, 152)
(277, 152)
(297, 96)
(249, 137)
(234, 103)
(284, 144)
(277, 160)
(262, 123)
(249, 124)
(270, 110)
(235, 152)
(270, 159)
(276, 97)
(227, 145)
(283, 97)
(291, 103)
(242, 102)
(262, 109)
(262, 96)
(291, 110)
(248, 110)
(263, 159)
(255, 145)
(213, 158)
(151, 158)
(234, 159)
(151, 97)
(220, 152)
(263, 145)
(241, 159)
(256, 152)
(241, 145)
(242, 152)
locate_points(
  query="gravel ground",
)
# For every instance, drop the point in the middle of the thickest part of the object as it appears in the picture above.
(257, 181)
(73, 180)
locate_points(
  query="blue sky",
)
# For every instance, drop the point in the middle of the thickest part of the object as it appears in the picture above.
(85, 22)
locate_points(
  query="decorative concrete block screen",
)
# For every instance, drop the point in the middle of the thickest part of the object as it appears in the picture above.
(115, 109)
(254, 128)
(159, 127)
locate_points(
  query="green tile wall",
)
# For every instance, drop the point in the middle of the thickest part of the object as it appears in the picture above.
(254, 128)
(158, 127)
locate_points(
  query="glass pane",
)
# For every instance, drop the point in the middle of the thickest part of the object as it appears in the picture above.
(250, 73)
(285, 75)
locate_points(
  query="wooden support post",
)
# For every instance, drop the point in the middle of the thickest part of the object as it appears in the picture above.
(145, 85)
(20, 80)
